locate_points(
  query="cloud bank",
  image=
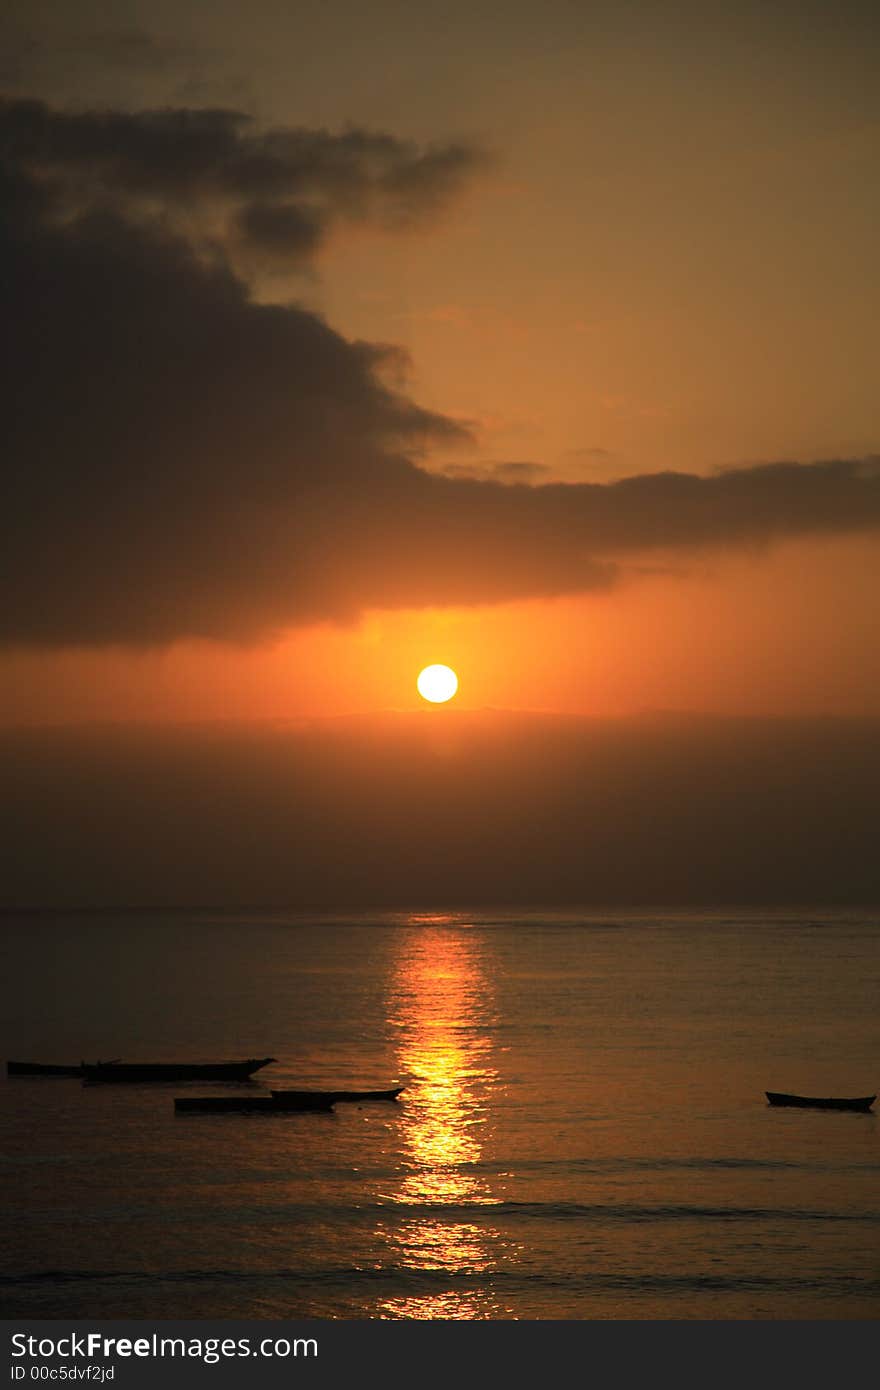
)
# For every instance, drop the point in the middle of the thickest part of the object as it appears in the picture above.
(182, 460)
(226, 185)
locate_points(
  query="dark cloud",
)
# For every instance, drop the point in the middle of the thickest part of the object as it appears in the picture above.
(214, 174)
(184, 461)
(281, 229)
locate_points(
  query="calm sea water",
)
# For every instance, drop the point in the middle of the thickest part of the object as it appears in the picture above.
(583, 1132)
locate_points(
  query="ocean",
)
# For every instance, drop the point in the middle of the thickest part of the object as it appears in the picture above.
(583, 1132)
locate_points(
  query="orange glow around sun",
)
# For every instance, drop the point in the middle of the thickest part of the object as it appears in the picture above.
(703, 639)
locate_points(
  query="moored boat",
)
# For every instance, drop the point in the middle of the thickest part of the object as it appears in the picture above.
(293, 1097)
(223, 1105)
(862, 1103)
(49, 1068)
(42, 1069)
(104, 1072)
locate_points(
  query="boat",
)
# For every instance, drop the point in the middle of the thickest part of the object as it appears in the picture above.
(103, 1072)
(279, 1101)
(292, 1098)
(862, 1103)
(47, 1068)
(266, 1105)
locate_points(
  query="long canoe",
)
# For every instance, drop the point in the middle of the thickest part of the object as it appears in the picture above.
(292, 1098)
(821, 1102)
(266, 1105)
(47, 1068)
(42, 1069)
(172, 1071)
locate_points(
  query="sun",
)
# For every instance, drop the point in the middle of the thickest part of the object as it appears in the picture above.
(437, 684)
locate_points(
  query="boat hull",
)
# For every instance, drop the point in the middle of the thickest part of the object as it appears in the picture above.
(292, 1098)
(244, 1105)
(42, 1069)
(172, 1071)
(862, 1103)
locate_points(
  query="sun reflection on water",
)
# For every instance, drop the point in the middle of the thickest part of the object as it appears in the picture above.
(441, 1004)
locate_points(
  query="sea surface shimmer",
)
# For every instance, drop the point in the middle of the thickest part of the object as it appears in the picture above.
(583, 1132)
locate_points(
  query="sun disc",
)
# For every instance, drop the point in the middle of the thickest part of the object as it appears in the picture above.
(437, 684)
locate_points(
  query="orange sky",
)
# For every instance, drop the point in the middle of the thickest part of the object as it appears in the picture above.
(667, 261)
(770, 633)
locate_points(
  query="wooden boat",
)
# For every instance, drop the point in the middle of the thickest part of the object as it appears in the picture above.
(172, 1071)
(292, 1098)
(278, 1101)
(47, 1068)
(41, 1069)
(266, 1105)
(862, 1103)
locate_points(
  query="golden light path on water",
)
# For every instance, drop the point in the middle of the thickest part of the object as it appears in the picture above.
(441, 1003)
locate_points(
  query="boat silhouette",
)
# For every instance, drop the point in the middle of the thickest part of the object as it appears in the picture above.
(278, 1102)
(50, 1068)
(107, 1072)
(862, 1103)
